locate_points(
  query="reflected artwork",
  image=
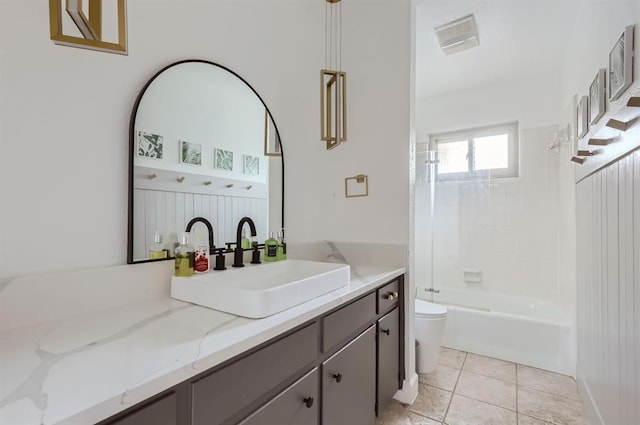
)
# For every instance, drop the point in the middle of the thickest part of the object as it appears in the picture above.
(223, 160)
(251, 165)
(190, 153)
(149, 145)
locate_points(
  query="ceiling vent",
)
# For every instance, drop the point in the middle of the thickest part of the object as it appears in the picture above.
(458, 35)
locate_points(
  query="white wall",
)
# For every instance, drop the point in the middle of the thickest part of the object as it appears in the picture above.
(534, 102)
(64, 117)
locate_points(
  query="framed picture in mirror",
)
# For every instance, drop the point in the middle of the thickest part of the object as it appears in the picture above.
(251, 165)
(149, 145)
(190, 153)
(223, 159)
(597, 99)
(621, 64)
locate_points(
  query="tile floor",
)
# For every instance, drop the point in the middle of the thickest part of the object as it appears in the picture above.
(468, 389)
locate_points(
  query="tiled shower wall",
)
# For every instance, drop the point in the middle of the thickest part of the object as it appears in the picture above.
(608, 215)
(507, 228)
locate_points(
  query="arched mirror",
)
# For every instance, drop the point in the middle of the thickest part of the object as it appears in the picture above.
(202, 144)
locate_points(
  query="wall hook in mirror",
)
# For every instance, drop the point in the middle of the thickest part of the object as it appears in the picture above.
(208, 183)
(230, 185)
(249, 187)
(181, 179)
(152, 176)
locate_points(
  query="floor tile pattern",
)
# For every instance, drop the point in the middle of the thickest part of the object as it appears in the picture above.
(469, 389)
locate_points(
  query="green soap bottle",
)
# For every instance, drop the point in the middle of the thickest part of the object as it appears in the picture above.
(281, 253)
(245, 243)
(270, 249)
(185, 257)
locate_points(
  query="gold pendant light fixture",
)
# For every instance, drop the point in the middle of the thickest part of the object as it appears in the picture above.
(333, 81)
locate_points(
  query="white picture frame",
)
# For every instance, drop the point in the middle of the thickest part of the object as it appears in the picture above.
(222, 159)
(597, 96)
(621, 64)
(582, 117)
(149, 145)
(190, 153)
(251, 165)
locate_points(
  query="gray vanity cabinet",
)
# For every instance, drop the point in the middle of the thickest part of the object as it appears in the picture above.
(297, 405)
(348, 383)
(388, 358)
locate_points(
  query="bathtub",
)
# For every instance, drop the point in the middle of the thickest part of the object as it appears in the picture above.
(517, 329)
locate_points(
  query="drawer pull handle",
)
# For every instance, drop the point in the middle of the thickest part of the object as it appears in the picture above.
(389, 297)
(308, 402)
(385, 331)
(337, 377)
(395, 295)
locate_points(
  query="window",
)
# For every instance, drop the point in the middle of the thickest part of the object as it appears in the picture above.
(486, 152)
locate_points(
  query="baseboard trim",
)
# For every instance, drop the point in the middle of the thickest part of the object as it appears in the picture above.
(409, 391)
(590, 405)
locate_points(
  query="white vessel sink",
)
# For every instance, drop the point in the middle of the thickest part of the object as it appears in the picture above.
(257, 291)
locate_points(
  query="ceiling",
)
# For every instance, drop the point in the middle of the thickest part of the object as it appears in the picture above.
(519, 39)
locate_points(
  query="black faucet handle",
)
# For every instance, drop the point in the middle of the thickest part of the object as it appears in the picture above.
(220, 261)
(255, 256)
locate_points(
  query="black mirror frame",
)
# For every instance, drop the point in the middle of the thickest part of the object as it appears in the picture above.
(132, 150)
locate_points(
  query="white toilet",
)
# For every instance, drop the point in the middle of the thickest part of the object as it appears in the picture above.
(430, 320)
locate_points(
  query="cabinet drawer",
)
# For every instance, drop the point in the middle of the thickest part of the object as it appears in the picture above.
(222, 394)
(160, 412)
(348, 320)
(388, 296)
(297, 405)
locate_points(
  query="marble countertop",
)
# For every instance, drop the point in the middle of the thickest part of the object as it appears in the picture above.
(83, 369)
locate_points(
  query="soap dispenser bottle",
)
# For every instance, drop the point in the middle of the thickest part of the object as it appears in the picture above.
(245, 243)
(201, 262)
(270, 249)
(281, 253)
(157, 250)
(185, 257)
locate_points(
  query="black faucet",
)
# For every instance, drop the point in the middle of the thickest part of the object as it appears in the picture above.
(238, 253)
(209, 228)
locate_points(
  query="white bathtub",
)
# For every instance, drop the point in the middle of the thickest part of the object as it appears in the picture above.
(507, 327)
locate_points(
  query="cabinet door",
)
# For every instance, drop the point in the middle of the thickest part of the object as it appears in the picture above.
(297, 405)
(349, 382)
(388, 358)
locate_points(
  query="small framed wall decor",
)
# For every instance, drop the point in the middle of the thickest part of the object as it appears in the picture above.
(149, 145)
(222, 159)
(190, 153)
(597, 97)
(251, 165)
(582, 117)
(621, 64)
